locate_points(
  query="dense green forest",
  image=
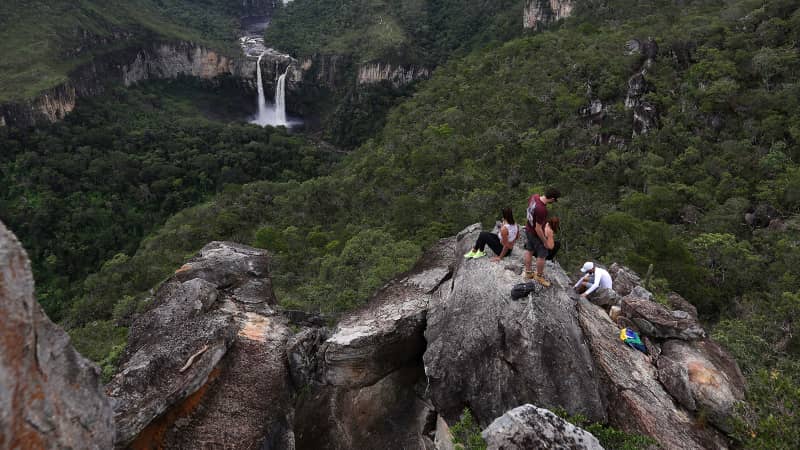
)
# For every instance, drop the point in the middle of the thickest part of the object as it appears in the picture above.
(708, 193)
(43, 40)
(418, 33)
(507, 121)
(424, 32)
(81, 191)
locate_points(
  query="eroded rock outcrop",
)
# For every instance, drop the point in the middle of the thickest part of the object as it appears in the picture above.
(128, 66)
(654, 319)
(539, 13)
(396, 75)
(701, 376)
(212, 364)
(528, 427)
(205, 365)
(684, 376)
(50, 395)
(367, 386)
(491, 354)
(630, 380)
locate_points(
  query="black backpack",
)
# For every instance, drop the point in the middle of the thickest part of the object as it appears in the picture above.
(521, 290)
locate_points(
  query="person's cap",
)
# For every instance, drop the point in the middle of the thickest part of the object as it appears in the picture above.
(587, 266)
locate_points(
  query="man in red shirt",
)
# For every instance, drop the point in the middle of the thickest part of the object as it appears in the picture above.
(534, 232)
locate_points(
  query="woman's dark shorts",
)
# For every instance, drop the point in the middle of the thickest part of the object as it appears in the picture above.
(535, 245)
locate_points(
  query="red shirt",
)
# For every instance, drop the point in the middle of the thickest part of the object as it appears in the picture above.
(537, 213)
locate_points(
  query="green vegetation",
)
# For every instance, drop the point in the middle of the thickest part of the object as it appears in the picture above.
(467, 433)
(82, 191)
(610, 438)
(505, 122)
(498, 124)
(409, 33)
(424, 32)
(43, 40)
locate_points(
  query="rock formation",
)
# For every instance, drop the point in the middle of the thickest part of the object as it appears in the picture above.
(369, 388)
(701, 376)
(491, 354)
(50, 396)
(396, 75)
(128, 66)
(205, 364)
(645, 115)
(529, 427)
(539, 13)
(213, 363)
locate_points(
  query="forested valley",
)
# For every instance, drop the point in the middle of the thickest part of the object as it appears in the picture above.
(672, 130)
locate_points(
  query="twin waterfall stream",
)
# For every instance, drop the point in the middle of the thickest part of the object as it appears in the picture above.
(271, 115)
(253, 46)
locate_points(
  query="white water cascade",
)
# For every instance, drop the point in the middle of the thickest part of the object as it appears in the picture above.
(271, 115)
(280, 99)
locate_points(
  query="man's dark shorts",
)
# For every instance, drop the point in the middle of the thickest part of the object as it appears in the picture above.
(535, 245)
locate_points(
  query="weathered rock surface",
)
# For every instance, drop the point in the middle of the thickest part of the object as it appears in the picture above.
(367, 387)
(492, 354)
(653, 319)
(605, 297)
(396, 75)
(128, 66)
(678, 303)
(50, 395)
(206, 363)
(539, 13)
(631, 385)
(624, 279)
(702, 376)
(528, 427)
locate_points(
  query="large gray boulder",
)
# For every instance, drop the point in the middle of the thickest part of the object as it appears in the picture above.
(624, 279)
(491, 354)
(365, 384)
(653, 319)
(528, 427)
(640, 404)
(50, 396)
(701, 376)
(206, 363)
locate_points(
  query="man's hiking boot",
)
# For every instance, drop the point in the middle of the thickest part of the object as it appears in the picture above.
(536, 277)
(469, 255)
(541, 280)
(478, 254)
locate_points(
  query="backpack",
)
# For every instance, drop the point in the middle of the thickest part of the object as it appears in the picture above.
(521, 290)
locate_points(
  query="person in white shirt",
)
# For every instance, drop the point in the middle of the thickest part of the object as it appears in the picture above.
(502, 243)
(595, 278)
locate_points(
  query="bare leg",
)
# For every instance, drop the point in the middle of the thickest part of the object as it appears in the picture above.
(528, 258)
(539, 266)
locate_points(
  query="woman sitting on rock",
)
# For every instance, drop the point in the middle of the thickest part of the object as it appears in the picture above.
(501, 245)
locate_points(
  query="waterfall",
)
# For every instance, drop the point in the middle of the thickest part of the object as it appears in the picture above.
(274, 115)
(263, 115)
(280, 99)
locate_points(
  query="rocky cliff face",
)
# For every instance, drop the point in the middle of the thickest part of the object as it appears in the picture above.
(129, 66)
(205, 365)
(50, 396)
(539, 13)
(396, 75)
(214, 363)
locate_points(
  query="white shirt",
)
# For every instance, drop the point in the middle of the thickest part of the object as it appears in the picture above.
(513, 230)
(602, 280)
